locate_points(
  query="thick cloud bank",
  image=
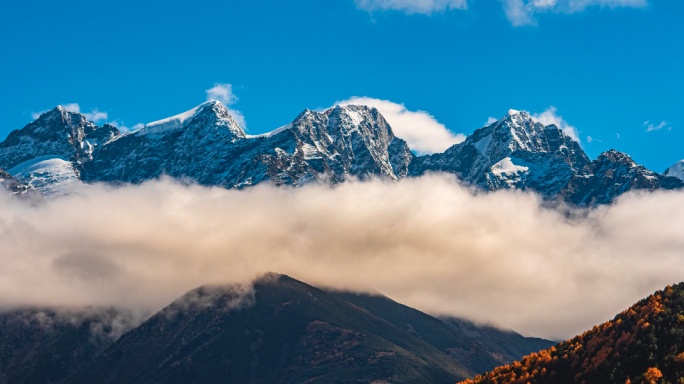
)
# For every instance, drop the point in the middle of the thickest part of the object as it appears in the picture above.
(426, 242)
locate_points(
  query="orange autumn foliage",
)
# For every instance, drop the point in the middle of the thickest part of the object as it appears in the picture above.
(652, 375)
(591, 356)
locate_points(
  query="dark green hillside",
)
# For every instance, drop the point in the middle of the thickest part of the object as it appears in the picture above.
(480, 348)
(40, 346)
(282, 331)
(289, 332)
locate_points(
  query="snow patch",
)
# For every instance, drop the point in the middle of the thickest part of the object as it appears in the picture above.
(272, 133)
(677, 170)
(483, 144)
(174, 122)
(51, 175)
(507, 166)
(310, 152)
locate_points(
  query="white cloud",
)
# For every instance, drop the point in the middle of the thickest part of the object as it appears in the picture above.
(36, 115)
(549, 116)
(518, 12)
(224, 94)
(72, 107)
(426, 242)
(96, 115)
(425, 7)
(491, 120)
(589, 139)
(123, 128)
(421, 131)
(650, 127)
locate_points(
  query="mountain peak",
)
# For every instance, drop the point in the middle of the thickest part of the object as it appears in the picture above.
(613, 155)
(212, 109)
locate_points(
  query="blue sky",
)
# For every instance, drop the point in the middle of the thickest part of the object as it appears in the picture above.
(606, 66)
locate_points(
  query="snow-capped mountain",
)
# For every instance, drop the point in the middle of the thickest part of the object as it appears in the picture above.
(46, 154)
(61, 150)
(514, 152)
(518, 153)
(677, 170)
(57, 133)
(205, 144)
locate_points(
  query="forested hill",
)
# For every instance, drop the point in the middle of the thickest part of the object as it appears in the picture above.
(643, 344)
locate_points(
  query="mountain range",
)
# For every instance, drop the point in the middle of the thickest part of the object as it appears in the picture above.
(61, 152)
(279, 330)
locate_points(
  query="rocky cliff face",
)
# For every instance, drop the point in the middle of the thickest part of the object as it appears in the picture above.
(61, 149)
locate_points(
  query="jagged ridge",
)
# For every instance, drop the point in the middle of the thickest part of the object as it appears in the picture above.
(207, 146)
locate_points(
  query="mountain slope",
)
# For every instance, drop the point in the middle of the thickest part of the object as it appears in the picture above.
(478, 347)
(643, 344)
(677, 170)
(283, 332)
(610, 175)
(47, 346)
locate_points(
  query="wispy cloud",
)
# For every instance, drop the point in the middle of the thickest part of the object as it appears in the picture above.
(518, 12)
(224, 94)
(421, 131)
(425, 7)
(650, 127)
(36, 115)
(589, 139)
(550, 116)
(123, 128)
(491, 120)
